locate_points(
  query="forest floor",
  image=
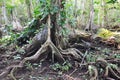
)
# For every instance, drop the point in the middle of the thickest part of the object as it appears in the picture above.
(48, 70)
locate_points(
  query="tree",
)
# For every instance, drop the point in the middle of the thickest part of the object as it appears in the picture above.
(91, 17)
(83, 11)
(52, 39)
(29, 8)
(4, 13)
(105, 13)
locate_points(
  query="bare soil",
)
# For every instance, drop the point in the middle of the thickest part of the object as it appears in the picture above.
(41, 70)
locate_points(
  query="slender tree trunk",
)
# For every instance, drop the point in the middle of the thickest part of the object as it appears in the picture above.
(82, 13)
(102, 22)
(56, 27)
(29, 8)
(4, 13)
(1, 14)
(15, 22)
(105, 21)
(75, 8)
(98, 20)
(91, 18)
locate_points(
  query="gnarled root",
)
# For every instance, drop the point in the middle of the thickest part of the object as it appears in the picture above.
(74, 52)
(109, 69)
(43, 48)
(93, 72)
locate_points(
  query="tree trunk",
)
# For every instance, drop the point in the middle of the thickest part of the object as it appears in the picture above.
(83, 9)
(91, 18)
(4, 13)
(105, 20)
(15, 22)
(29, 8)
(98, 21)
(55, 38)
(75, 9)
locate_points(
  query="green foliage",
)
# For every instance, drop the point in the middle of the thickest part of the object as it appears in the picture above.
(5, 39)
(91, 69)
(106, 51)
(69, 13)
(28, 32)
(14, 37)
(44, 8)
(10, 38)
(91, 57)
(29, 65)
(20, 50)
(37, 11)
(16, 57)
(117, 56)
(114, 66)
(104, 33)
(10, 5)
(112, 1)
(64, 67)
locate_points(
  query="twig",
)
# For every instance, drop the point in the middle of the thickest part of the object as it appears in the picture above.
(11, 73)
(73, 72)
(84, 57)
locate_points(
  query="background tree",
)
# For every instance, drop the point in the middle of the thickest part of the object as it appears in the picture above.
(29, 8)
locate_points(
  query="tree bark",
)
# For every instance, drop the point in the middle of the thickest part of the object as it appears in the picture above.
(91, 18)
(105, 17)
(40, 38)
(4, 13)
(29, 8)
(83, 10)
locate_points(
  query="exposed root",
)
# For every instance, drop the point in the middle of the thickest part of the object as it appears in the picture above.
(43, 48)
(93, 72)
(74, 52)
(84, 58)
(11, 74)
(108, 69)
(115, 73)
(109, 72)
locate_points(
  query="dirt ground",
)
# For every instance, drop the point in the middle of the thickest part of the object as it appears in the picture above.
(42, 70)
(33, 70)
